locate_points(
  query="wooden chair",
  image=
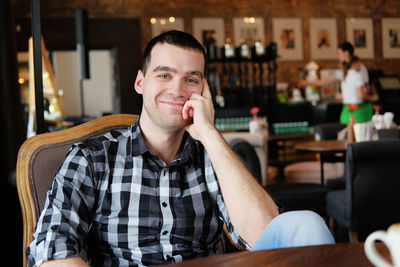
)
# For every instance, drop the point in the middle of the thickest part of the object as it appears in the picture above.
(40, 157)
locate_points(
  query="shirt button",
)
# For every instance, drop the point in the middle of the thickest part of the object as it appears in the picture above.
(164, 204)
(165, 232)
(54, 227)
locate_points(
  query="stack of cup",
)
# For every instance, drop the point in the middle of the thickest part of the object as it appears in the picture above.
(388, 119)
(384, 121)
(363, 131)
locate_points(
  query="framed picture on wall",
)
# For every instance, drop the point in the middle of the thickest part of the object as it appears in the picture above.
(287, 35)
(359, 32)
(209, 31)
(249, 30)
(160, 25)
(323, 38)
(391, 37)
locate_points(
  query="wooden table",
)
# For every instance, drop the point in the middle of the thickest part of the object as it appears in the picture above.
(323, 146)
(342, 254)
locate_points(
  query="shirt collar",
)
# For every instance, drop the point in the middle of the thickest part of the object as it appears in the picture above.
(139, 147)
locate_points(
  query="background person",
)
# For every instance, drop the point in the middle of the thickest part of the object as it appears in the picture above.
(355, 87)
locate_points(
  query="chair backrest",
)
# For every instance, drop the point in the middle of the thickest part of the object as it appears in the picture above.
(41, 156)
(373, 184)
(326, 131)
(329, 131)
(294, 112)
(249, 156)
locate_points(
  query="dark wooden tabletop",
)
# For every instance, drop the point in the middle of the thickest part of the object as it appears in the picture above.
(339, 255)
(323, 146)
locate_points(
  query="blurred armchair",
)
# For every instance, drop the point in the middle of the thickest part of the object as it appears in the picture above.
(371, 197)
(40, 157)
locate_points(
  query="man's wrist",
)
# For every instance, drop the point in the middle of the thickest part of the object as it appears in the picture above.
(209, 134)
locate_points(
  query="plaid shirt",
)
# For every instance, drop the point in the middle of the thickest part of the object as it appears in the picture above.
(114, 203)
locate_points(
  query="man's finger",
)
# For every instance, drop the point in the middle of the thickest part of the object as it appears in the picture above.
(187, 110)
(206, 90)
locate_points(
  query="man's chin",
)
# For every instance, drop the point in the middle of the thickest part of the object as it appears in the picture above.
(175, 122)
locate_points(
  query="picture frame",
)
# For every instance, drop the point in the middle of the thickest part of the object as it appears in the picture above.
(359, 32)
(248, 29)
(209, 31)
(391, 37)
(287, 34)
(323, 38)
(160, 25)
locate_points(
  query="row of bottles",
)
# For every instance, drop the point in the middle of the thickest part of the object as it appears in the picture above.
(236, 123)
(242, 77)
(241, 84)
(291, 127)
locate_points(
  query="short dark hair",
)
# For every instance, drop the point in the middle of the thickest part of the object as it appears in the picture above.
(346, 46)
(176, 38)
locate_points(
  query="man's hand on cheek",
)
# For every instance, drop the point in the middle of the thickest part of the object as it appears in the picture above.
(188, 114)
(199, 112)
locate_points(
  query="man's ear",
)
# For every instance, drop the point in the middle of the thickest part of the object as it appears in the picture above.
(139, 82)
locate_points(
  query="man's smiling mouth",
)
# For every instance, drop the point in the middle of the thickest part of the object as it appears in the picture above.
(173, 104)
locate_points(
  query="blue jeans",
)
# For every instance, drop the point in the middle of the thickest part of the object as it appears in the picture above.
(294, 229)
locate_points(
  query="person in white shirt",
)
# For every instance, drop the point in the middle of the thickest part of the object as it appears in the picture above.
(355, 89)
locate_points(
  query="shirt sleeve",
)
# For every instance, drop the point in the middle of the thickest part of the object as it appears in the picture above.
(214, 189)
(66, 217)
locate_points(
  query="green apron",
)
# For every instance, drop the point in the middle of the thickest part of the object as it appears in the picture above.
(362, 114)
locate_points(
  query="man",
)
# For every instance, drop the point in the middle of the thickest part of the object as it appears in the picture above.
(149, 194)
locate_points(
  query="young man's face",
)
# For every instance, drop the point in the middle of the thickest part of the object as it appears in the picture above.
(172, 76)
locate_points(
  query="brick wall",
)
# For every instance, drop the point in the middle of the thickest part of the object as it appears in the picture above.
(228, 9)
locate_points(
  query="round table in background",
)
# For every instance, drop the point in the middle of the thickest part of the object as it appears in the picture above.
(339, 146)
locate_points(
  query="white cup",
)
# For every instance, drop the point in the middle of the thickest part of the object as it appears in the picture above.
(363, 131)
(378, 121)
(388, 119)
(391, 238)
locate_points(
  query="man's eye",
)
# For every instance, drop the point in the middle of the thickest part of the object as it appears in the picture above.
(192, 81)
(163, 76)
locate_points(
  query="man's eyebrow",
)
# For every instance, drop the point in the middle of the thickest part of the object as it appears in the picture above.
(164, 68)
(196, 73)
(169, 69)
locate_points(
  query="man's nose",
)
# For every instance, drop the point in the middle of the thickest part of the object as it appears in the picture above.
(178, 88)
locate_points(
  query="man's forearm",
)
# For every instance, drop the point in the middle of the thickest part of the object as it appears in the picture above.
(249, 206)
